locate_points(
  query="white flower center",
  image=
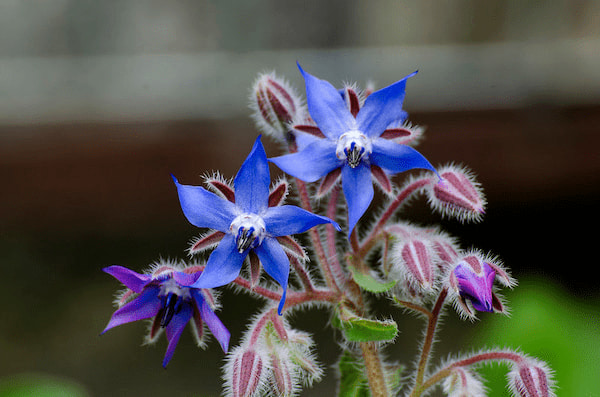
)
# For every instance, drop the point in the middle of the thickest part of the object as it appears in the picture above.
(353, 146)
(250, 231)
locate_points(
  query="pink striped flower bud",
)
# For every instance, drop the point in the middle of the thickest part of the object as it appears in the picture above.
(457, 194)
(414, 261)
(275, 105)
(463, 383)
(246, 372)
(471, 284)
(531, 378)
(283, 379)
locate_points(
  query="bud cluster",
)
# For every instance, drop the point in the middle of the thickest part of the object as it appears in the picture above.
(531, 378)
(273, 359)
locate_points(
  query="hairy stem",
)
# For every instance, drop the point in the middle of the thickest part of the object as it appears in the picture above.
(374, 368)
(404, 194)
(330, 231)
(428, 342)
(302, 274)
(315, 238)
(477, 358)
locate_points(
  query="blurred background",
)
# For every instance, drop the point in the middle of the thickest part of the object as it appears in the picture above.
(101, 100)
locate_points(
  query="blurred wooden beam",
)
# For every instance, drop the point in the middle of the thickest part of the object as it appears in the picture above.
(215, 85)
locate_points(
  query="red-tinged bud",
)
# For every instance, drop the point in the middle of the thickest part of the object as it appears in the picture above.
(531, 378)
(283, 380)
(275, 105)
(245, 372)
(463, 383)
(457, 194)
(413, 260)
(352, 99)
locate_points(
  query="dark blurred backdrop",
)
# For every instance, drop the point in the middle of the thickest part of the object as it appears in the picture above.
(100, 101)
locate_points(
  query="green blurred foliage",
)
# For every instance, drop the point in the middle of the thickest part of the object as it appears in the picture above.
(40, 385)
(552, 325)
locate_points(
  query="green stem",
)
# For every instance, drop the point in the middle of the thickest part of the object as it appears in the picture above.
(374, 369)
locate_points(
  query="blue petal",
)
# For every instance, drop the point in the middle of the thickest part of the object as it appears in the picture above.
(382, 108)
(205, 209)
(210, 318)
(252, 181)
(358, 190)
(174, 330)
(132, 280)
(276, 264)
(314, 162)
(326, 107)
(289, 219)
(394, 157)
(145, 305)
(303, 139)
(223, 265)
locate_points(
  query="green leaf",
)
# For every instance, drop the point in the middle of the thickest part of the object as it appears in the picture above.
(370, 283)
(353, 382)
(359, 329)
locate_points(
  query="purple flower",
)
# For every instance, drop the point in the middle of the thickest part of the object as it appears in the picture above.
(167, 295)
(247, 223)
(475, 282)
(351, 140)
(471, 284)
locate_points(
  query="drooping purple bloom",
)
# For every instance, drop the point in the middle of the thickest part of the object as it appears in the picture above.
(247, 223)
(475, 283)
(167, 295)
(352, 142)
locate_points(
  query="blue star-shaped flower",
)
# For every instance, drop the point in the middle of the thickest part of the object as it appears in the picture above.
(248, 223)
(352, 142)
(167, 295)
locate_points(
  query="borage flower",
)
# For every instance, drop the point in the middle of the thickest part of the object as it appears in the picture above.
(246, 223)
(351, 142)
(167, 295)
(471, 284)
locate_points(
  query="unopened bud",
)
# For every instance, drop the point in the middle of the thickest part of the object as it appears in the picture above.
(457, 194)
(463, 383)
(245, 372)
(283, 380)
(471, 283)
(531, 378)
(275, 105)
(413, 260)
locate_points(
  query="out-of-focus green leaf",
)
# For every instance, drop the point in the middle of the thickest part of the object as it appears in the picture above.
(353, 382)
(39, 385)
(547, 323)
(359, 329)
(370, 283)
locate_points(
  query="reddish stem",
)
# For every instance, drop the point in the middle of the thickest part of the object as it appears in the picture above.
(315, 238)
(330, 231)
(371, 239)
(444, 372)
(429, 337)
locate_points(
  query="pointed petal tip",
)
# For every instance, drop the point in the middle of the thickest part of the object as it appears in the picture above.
(337, 227)
(282, 302)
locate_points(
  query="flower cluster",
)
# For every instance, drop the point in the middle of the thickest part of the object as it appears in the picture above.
(345, 139)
